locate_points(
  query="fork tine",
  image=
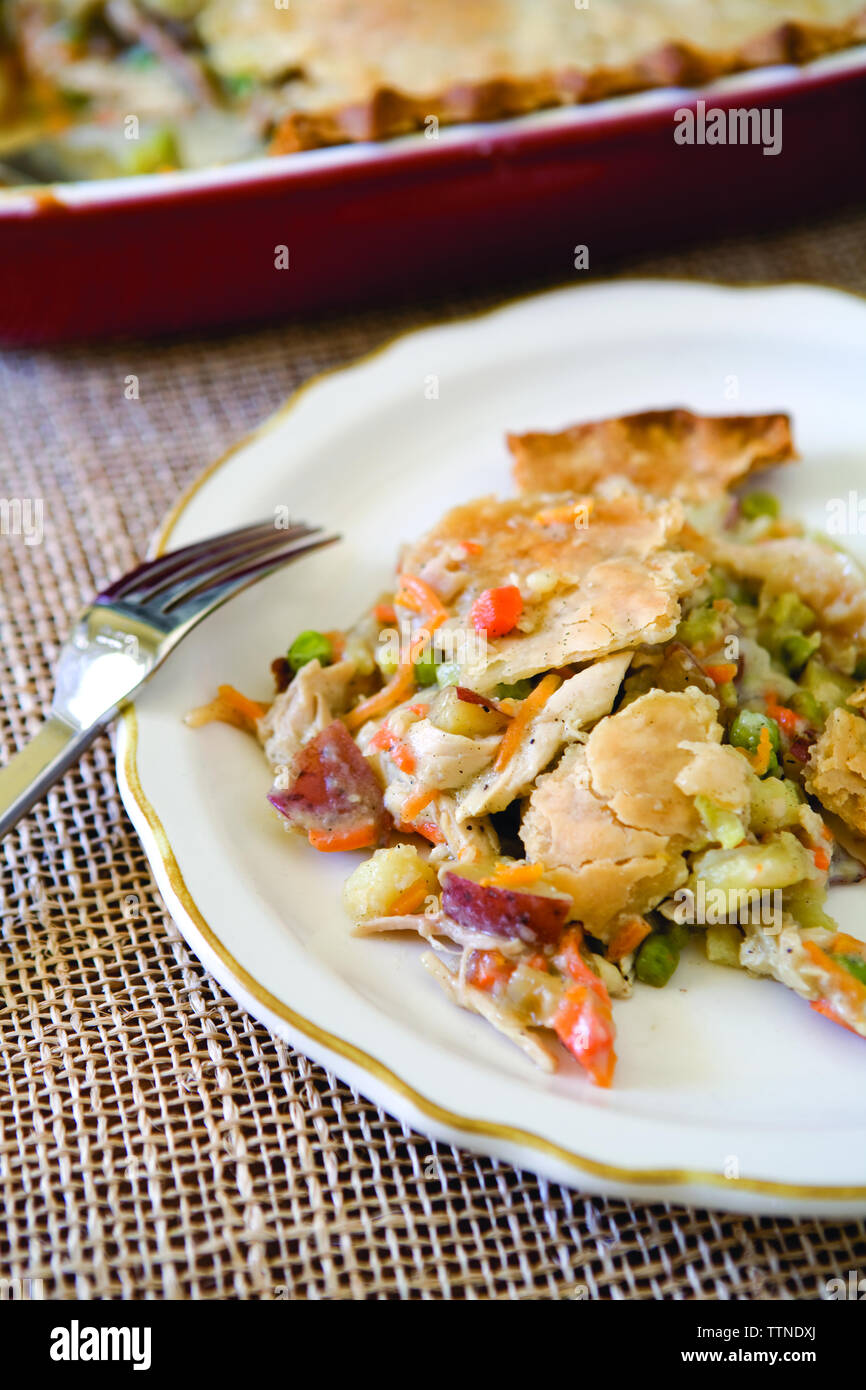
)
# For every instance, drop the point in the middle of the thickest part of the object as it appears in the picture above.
(211, 561)
(127, 585)
(230, 579)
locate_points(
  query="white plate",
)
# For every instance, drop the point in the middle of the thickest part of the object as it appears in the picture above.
(730, 1091)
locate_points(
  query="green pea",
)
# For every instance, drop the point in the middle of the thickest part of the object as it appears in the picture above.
(310, 646)
(656, 961)
(757, 504)
(746, 731)
(830, 688)
(795, 650)
(855, 965)
(426, 669)
(517, 691)
(677, 935)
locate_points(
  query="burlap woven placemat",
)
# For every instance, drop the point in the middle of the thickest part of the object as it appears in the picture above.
(155, 1141)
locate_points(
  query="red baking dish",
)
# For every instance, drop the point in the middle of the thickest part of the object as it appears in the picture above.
(379, 222)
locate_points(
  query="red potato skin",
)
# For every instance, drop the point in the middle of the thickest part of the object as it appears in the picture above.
(334, 787)
(502, 911)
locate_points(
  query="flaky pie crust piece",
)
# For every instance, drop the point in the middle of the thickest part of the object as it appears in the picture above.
(669, 453)
(820, 27)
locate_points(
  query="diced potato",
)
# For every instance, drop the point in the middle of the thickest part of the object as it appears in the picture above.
(775, 805)
(371, 890)
(778, 863)
(723, 944)
(721, 825)
(458, 716)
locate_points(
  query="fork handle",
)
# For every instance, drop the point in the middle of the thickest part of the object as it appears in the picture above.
(28, 775)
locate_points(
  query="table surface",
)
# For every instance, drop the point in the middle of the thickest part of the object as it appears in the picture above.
(155, 1141)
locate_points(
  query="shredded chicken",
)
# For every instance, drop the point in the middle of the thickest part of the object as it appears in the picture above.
(504, 1020)
(784, 957)
(313, 700)
(580, 700)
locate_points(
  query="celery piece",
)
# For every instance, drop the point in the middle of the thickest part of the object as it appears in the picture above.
(795, 650)
(447, 673)
(789, 611)
(155, 152)
(803, 702)
(516, 691)
(830, 688)
(723, 943)
(805, 901)
(701, 628)
(855, 965)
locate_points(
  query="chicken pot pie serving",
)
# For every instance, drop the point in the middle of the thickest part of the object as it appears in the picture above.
(216, 80)
(587, 724)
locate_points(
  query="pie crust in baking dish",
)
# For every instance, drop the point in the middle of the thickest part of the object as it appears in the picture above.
(214, 81)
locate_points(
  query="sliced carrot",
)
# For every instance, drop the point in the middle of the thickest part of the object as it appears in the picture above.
(410, 899)
(496, 611)
(486, 969)
(430, 830)
(331, 840)
(822, 859)
(786, 718)
(822, 1007)
(848, 987)
(759, 761)
(628, 937)
(420, 709)
(416, 801)
(251, 709)
(722, 673)
(401, 684)
(513, 875)
(472, 547)
(401, 754)
(384, 613)
(845, 945)
(531, 706)
(417, 594)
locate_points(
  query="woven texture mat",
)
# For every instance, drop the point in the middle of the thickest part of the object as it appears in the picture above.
(155, 1141)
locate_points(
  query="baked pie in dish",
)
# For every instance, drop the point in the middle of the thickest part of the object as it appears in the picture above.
(616, 715)
(92, 88)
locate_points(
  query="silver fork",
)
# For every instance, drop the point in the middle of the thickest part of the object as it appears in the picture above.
(127, 632)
